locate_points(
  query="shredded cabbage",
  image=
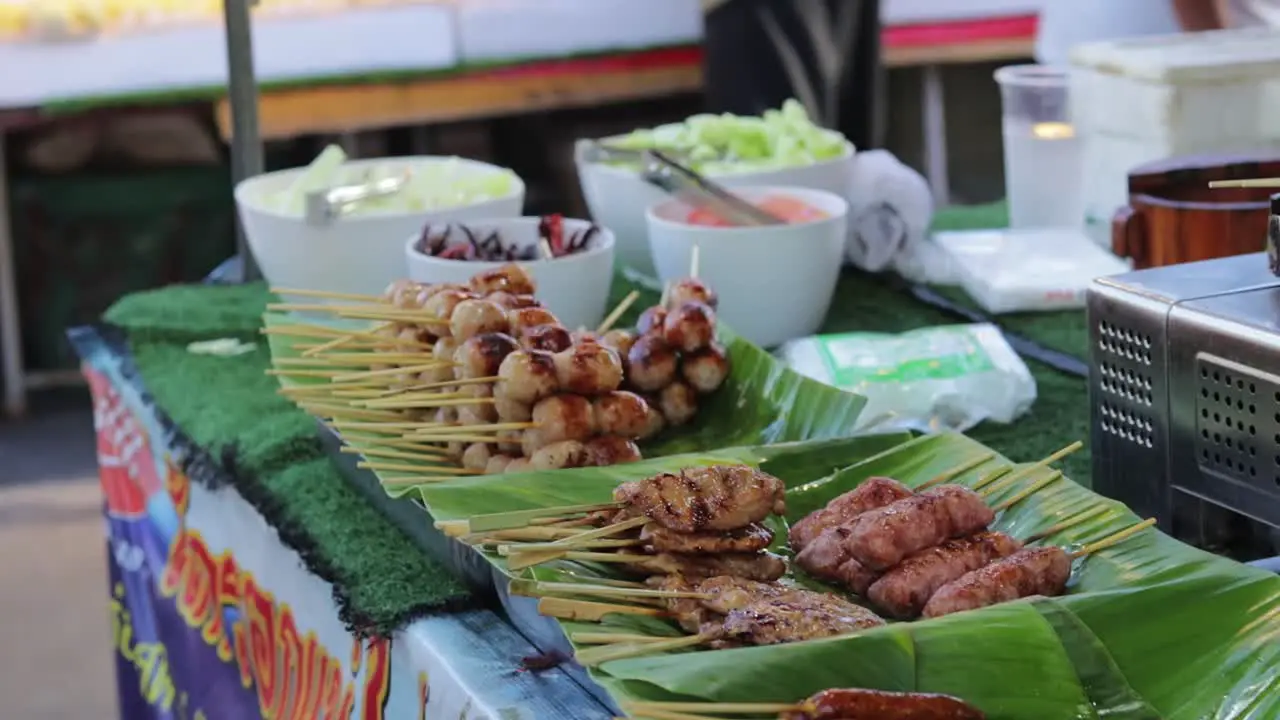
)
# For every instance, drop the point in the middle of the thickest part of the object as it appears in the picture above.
(432, 186)
(727, 144)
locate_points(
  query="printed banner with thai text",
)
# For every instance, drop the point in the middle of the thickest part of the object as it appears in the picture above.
(211, 616)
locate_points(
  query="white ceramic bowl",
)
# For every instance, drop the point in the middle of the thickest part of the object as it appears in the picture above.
(359, 253)
(617, 198)
(574, 287)
(775, 282)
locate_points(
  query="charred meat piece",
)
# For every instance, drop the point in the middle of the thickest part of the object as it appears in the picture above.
(862, 704)
(689, 613)
(720, 497)
(752, 538)
(1028, 572)
(827, 558)
(903, 591)
(765, 567)
(872, 493)
(727, 593)
(798, 616)
(884, 537)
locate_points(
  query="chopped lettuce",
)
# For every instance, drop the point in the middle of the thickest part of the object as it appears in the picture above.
(727, 144)
(436, 185)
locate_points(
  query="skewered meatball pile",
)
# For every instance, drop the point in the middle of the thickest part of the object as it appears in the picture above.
(522, 366)
(672, 358)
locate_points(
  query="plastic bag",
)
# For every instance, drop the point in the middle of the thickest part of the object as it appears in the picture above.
(949, 377)
(1020, 270)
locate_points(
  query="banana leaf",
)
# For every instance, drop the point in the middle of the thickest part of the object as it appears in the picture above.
(1149, 628)
(761, 403)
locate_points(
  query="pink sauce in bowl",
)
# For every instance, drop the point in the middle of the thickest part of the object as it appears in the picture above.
(788, 209)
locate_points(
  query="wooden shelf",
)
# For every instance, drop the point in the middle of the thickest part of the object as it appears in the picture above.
(349, 108)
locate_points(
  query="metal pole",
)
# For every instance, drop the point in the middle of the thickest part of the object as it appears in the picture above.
(242, 88)
(11, 368)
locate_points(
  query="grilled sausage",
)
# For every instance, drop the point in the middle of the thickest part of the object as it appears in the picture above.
(884, 537)
(863, 704)
(903, 591)
(871, 493)
(1028, 572)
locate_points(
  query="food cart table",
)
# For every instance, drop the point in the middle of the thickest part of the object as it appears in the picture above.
(238, 551)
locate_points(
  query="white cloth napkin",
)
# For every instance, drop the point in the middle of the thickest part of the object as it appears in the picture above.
(890, 210)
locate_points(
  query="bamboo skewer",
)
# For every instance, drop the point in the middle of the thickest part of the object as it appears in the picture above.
(992, 476)
(1113, 540)
(1026, 492)
(1026, 470)
(618, 312)
(365, 375)
(397, 443)
(536, 589)
(335, 411)
(407, 399)
(521, 518)
(528, 534)
(315, 332)
(387, 314)
(325, 374)
(522, 549)
(599, 638)
(403, 467)
(419, 479)
(609, 653)
(606, 531)
(326, 294)
(395, 454)
(695, 261)
(1272, 182)
(665, 715)
(388, 426)
(441, 384)
(321, 307)
(331, 345)
(584, 611)
(519, 558)
(1067, 524)
(955, 472)
(716, 708)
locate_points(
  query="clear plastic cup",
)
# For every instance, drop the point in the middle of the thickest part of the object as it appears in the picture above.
(1043, 158)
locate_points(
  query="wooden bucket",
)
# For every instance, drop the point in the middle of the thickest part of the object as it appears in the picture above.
(1173, 216)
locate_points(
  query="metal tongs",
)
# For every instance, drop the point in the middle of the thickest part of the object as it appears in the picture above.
(659, 169)
(325, 206)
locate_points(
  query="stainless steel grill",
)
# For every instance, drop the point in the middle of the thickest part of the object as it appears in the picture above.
(1185, 389)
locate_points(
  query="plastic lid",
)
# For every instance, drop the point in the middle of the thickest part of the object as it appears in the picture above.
(1186, 57)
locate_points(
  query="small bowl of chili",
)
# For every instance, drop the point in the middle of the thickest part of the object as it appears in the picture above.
(775, 282)
(570, 260)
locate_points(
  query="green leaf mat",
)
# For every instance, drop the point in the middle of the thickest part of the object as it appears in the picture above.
(1150, 628)
(380, 575)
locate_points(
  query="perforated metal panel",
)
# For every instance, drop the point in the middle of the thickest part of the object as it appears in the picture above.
(1127, 388)
(1238, 421)
(1125, 384)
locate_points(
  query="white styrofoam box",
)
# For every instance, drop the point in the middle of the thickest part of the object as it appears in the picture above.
(906, 12)
(1150, 98)
(505, 29)
(354, 42)
(1187, 88)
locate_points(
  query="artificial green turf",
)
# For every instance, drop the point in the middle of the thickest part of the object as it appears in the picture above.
(381, 578)
(272, 455)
